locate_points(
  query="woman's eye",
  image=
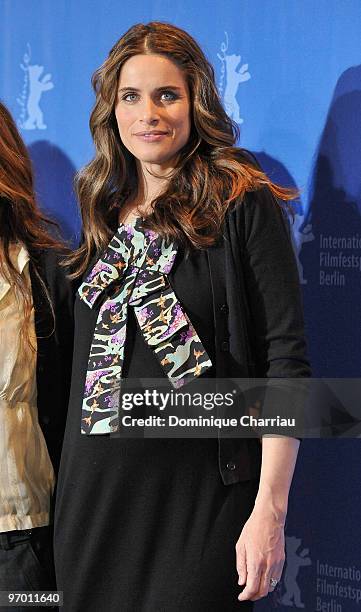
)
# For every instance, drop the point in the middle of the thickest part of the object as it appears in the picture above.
(169, 96)
(130, 97)
(165, 96)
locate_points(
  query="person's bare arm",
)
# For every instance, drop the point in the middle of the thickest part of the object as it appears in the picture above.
(260, 548)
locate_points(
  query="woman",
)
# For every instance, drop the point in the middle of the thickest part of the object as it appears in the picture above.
(181, 234)
(35, 362)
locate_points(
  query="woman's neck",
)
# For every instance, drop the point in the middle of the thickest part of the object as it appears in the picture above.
(149, 188)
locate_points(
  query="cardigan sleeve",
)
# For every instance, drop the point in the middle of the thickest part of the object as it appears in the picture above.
(272, 287)
(55, 348)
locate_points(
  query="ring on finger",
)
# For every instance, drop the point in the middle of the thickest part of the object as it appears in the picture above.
(273, 583)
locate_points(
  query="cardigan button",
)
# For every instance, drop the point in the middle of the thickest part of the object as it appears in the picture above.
(225, 346)
(230, 465)
(224, 309)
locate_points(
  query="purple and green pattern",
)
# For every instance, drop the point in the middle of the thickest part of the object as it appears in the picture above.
(133, 272)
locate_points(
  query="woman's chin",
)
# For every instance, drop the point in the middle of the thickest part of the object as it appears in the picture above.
(157, 160)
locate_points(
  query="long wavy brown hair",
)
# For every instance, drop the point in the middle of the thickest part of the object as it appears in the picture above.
(20, 219)
(211, 172)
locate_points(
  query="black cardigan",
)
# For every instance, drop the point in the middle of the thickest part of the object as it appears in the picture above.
(257, 311)
(54, 333)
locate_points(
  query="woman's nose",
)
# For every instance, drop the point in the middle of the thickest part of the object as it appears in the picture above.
(150, 111)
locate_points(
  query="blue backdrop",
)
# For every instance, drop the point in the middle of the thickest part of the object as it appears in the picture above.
(289, 73)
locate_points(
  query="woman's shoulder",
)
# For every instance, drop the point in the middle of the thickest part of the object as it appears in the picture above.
(48, 262)
(48, 265)
(256, 208)
(258, 205)
(244, 156)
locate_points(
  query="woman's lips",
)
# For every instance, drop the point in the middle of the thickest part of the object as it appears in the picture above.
(152, 136)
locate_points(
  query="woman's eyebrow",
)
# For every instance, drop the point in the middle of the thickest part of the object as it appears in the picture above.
(157, 89)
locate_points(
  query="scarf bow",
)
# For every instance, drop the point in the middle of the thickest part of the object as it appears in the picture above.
(133, 272)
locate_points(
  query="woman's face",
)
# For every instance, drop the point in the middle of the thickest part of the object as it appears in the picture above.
(153, 109)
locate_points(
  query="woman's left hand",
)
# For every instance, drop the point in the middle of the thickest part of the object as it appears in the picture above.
(260, 552)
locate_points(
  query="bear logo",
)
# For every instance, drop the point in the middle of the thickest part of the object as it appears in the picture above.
(35, 84)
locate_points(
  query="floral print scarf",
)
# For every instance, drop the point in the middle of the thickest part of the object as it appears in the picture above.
(133, 272)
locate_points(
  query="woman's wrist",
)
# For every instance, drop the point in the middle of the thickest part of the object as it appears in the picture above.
(273, 503)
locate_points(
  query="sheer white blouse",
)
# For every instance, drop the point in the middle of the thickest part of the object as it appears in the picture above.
(26, 472)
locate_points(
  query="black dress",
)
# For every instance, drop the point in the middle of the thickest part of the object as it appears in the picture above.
(147, 525)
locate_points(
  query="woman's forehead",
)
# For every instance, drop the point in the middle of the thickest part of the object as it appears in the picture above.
(155, 69)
